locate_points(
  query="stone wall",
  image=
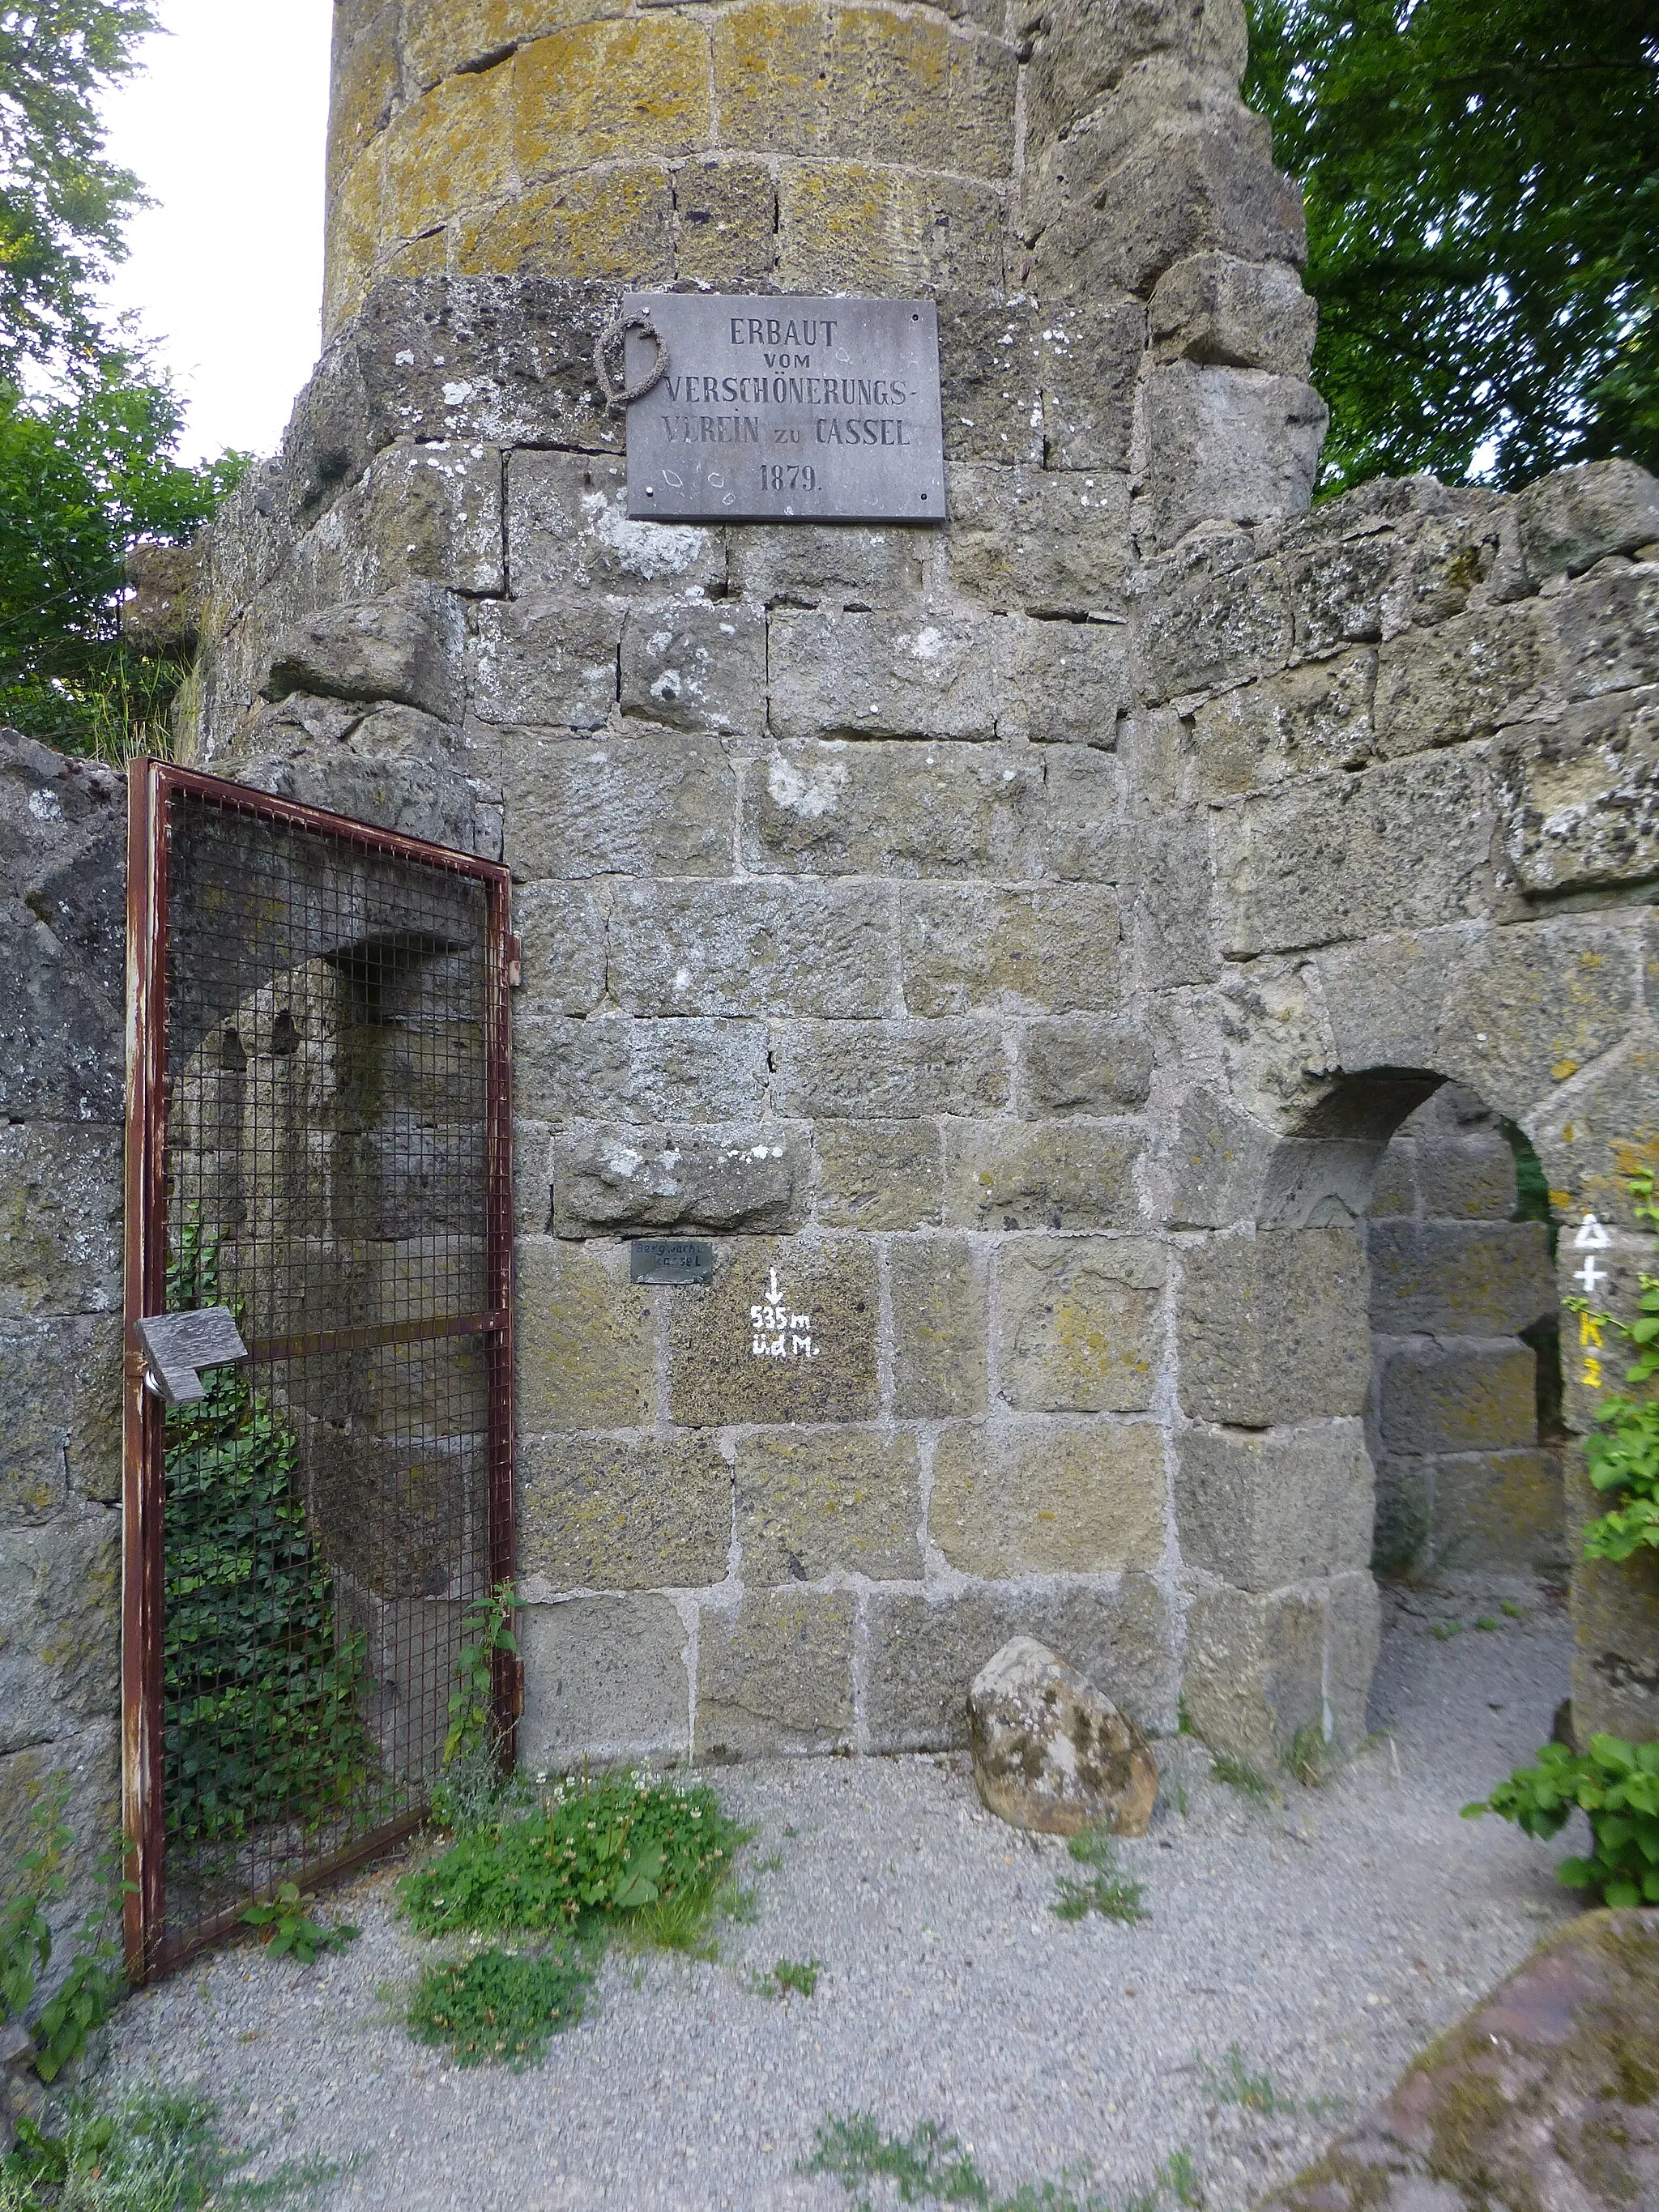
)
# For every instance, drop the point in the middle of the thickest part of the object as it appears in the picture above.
(1013, 944)
(63, 845)
(1463, 1424)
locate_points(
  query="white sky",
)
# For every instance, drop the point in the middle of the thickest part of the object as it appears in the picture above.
(225, 127)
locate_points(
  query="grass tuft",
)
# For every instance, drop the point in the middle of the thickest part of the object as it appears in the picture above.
(1106, 1891)
(796, 1977)
(500, 2006)
(928, 2166)
(1239, 1774)
(148, 2152)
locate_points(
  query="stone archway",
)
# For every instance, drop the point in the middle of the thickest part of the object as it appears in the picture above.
(1547, 1022)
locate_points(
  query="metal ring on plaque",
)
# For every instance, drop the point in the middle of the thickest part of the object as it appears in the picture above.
(619, 392)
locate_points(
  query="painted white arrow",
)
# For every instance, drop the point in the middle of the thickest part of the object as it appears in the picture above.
(772, 1290)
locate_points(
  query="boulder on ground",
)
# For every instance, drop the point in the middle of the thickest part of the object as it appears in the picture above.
(1051, 1752)
(1545, 2095)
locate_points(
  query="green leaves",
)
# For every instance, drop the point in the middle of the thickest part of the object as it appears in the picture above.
(1482, 188)
(498, 2005)
(486, 1631)
(261, 1716)
(1616, 1785)
(594, 1851)
(283, 1926)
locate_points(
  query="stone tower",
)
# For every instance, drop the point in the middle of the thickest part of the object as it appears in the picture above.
(1012, 943)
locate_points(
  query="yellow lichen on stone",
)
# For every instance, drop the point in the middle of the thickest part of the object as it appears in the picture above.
(366, 78)
(611, 92)
(848, 226)
(616, 221)
(353, 237)
(725, 221)
(446, 152)
(440, 35)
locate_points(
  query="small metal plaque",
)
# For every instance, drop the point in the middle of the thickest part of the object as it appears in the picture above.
(177, 1345)
(671, 1259)
(786, 410)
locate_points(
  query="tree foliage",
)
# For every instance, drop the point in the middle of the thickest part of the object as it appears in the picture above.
(83, 474)
(89, 426)
(1482, 182)
(62, 202)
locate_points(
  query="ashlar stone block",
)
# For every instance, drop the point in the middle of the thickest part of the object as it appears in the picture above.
(615, 222)
(1606, 630)
(60, 1628)
(859, 227)
(1084, 1064)
(1459, 1278)
(1090, 361)
(1465, 679)
(1041, 541)
(586, 1352)
(726, 214)
(1051, 1175)
(831, 564)
(940, 1327)
(429, 513)
(1574, 518)
(606, 1513)
(1069, 684)
(605, 1682)
(641, 1071)
(1229, 445)
(973, 949)
(1078, 1328)
(813, 949)
(1403, 846)
(1255, 1673)
(1581, 795)
(563, 931)
(775, 1675)
(568, 531)
(608, 806)
(1049, 1497)
(1458, 1397)
(911, 674)
(608, 1180)
(1307, 720)
(879, 1174)
(1265, 1507)
(544, 659)
(696, 666)
(834, 808)
(925, 1651)
(607, 91)
(60, 1219)
(1275, 1328)
(1505, 1509)
(1222, 312)
(879, 1071)
(786, 1332)
(812, 1502)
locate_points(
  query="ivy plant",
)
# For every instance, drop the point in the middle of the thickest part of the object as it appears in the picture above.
(1616, 1785)
(1621, 1453)
(261, 1718)
(96, 1982)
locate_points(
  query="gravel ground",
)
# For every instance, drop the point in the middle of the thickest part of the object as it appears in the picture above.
(1326, 1938)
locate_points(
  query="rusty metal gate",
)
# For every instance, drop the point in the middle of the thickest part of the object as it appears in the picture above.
(319, 1134)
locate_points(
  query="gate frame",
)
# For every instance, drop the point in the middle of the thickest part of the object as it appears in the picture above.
(152, 786)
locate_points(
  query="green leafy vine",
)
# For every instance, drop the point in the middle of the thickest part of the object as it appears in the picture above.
(1621, 1453)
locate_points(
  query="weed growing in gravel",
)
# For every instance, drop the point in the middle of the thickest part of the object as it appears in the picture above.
(929, 2167)
(1233, 2083)
(500, 2005)
(799, 1976)
(1445, 1630)
(1239, 1774)
(596, 1850)
(1107, 1891)
(285, 1927)
(150, 2153)
(1308, 1757)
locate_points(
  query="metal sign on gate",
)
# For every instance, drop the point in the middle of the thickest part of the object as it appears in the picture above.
(319, 1177)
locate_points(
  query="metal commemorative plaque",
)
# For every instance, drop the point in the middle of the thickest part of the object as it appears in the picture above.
(670, 1260)
(785, 411)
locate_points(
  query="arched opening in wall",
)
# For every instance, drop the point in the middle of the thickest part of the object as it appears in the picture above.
(324, 1011)
(1464, 1419)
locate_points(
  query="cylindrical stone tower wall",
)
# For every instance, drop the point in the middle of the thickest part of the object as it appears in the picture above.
(981, 933)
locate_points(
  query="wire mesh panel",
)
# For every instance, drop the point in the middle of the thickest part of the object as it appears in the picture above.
(319, 1133)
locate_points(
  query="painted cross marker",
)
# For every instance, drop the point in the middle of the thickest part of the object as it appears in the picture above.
(1591, 1277)
(1592, 1236)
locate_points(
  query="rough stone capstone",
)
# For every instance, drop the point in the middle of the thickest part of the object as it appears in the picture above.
(1547, 2094)
(1053, 1753)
